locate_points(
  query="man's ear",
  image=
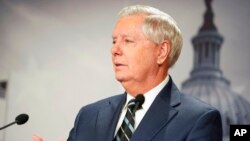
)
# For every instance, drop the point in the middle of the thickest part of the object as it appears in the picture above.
(164, 50)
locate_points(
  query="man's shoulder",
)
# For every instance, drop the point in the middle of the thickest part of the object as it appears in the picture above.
(189, 103)
(194, 105)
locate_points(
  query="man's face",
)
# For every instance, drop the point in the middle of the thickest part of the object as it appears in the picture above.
(134, 56)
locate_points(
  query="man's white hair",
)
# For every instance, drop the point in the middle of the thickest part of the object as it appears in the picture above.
(158, 26)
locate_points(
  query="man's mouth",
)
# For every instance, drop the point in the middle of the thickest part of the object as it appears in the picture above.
(119, 65)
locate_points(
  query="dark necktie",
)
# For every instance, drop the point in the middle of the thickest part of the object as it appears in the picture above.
(126, 130)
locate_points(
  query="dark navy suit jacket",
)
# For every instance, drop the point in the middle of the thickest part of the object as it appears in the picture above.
(173, 116)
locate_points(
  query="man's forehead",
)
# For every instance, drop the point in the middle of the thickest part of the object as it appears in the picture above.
(128, 33)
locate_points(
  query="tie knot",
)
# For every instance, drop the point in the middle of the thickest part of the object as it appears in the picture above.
(131, 104)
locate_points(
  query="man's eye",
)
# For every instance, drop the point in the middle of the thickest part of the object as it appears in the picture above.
(114, 42)
(128, 41)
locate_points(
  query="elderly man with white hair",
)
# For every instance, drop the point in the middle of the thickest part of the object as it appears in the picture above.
(146, 43)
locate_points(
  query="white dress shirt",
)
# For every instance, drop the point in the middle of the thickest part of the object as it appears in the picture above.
(149, 98)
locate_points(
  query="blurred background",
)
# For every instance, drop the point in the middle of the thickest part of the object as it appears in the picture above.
(55, 56)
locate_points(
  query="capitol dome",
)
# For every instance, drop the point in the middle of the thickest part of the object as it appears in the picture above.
(207, 82)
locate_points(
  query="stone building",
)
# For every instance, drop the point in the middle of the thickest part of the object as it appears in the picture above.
(206, 80)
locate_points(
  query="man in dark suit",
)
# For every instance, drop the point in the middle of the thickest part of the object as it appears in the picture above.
(146, 43)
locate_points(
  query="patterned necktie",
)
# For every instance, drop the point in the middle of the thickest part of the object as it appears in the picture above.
(126, 130)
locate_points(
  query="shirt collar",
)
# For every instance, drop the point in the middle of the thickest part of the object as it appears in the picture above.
(150, 95)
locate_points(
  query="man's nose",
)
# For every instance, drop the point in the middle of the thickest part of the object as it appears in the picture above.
(116, 49)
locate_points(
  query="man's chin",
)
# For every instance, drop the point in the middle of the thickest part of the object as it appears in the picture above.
(121, 78)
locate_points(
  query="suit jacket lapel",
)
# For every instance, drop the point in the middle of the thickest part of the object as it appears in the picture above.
(107, 119)
(159, 114)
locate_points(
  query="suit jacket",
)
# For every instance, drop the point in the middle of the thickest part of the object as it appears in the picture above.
(172, 116)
